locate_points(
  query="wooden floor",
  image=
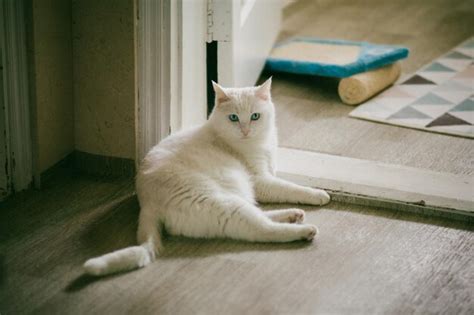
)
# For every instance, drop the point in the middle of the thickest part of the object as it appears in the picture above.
(365, 261)
(310, 115)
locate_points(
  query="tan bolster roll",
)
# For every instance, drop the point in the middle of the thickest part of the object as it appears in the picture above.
(360, 87)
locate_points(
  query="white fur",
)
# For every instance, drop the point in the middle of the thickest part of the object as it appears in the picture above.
(206, 182)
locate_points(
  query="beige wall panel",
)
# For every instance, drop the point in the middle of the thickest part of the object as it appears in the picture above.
(104, 80)
(53, 79)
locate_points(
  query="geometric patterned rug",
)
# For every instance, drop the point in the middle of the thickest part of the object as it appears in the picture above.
(437, 98)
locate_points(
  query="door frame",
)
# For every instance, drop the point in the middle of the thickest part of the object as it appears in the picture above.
(19, 146)
(5, 180)
(153, 72)
(350, 180)
(171, 76)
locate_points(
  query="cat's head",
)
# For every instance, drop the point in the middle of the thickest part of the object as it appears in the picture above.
(243, 113)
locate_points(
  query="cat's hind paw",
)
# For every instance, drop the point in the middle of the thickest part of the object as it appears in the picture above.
(298, 216)
(95, 266)
(287, 215)
(310, 232)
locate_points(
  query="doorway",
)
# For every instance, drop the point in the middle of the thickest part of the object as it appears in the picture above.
(315, 131)
(312, 119)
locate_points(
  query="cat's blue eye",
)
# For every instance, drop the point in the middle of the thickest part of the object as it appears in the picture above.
(255, 116)
(233, 117)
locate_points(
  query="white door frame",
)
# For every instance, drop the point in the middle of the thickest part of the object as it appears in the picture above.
(16, 94)
(236, 26)
(171, 69)
(153, 73)
(350, 180)
(192, 103)
(5, 181)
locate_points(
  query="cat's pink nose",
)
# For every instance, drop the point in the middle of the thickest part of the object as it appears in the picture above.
(245, 130)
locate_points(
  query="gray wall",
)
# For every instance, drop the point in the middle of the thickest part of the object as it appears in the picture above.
(53, 79)
(84, 59)
(104, 77)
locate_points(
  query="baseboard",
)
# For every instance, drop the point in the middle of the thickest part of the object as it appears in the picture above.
(93, 164)
(103, 165)
(66, 162)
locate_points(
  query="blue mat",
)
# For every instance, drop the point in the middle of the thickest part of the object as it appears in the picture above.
(370, 56)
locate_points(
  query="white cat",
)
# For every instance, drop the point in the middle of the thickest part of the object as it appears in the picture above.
(206, 182)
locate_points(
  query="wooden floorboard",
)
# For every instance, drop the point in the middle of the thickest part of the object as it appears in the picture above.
(310, 115)
(365, 261)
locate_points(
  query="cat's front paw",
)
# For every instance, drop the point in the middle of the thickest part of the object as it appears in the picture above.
(321, 197)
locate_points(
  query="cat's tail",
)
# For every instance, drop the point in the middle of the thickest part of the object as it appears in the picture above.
(121, 260)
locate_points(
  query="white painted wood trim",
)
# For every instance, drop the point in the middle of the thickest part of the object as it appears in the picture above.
(245, 10)
(5, 180)
(171, 69)
(193, 106)
(253, 30)
(219, 20)
(176, 66)
(401, 184)
(153, 73)
(16, 93)
(226, 50)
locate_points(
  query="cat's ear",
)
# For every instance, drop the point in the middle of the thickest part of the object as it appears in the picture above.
(263, 91)
(220, 94)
